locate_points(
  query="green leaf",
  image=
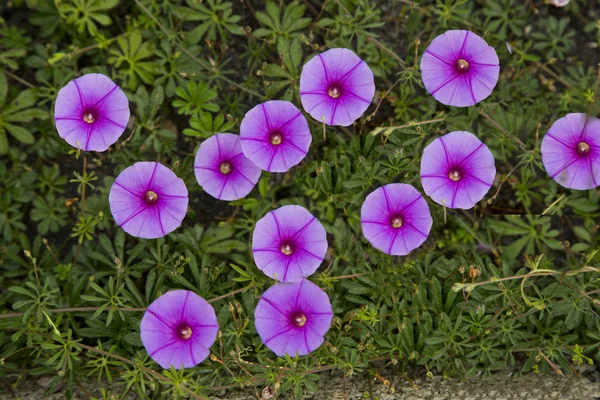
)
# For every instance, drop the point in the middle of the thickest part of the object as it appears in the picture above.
(19, 133)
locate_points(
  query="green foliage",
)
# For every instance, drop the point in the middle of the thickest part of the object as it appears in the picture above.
(195, 98)
(86, 14)
(50, 214)
(205, 125)
(217, 20)
(505, 17)
(281, 24)
(511, 285)
(555, 40)
(287, 75)
(15, 112)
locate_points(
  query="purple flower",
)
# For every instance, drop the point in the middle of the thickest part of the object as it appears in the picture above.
(395, 219)
(289, 244)
(275, 136)
(292, 318)
(571, 151)
(457, 170)
(222, 169)
(91, 112)
(148, 200)
(459, 68)
(336, 87)
(178, 329)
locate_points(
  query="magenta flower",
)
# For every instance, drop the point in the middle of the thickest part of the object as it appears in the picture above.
(395, 219)
(91, 112)
(571, 151)
(289, 243)
(336, 87)
(457, 170)
(275, 136)
(293, 318)
(222, 169)
(459, 68)
(178, 329)
(148, 200)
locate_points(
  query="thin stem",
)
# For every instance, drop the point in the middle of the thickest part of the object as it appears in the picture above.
(47, 245)
(124, 309)
(16, 78)
(337, 278)
(250, 286)
(382, 98)
(540, 272)
(388, 130)
(555, 75)
(83, 188)
(592, 102)
(383, 47)
(500, 128)
(562, 196)
(82, 209)
(502, 181)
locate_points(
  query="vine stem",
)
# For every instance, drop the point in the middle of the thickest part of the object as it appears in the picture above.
(337, 278)
(500, 128)
(16, 78)
(388, 130)
(540, 272)
(383, 47)
(124, 309)
(134, 309)
(554, 75)
(233, 293)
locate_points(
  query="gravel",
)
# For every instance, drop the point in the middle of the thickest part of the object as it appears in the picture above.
(496, 387)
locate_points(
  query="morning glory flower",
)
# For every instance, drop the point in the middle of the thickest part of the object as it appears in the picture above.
(457, 170)
(395, 219)
(571, 151)
(178, 329)
(336, 87)
(459, 68)
(289, 243)
(148, 200)
(293, 318)
(222, 169)
(91, 112)
(275, 136)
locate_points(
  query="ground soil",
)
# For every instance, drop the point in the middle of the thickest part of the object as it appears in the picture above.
(333, 387)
